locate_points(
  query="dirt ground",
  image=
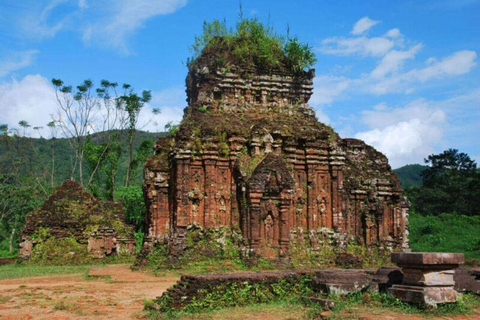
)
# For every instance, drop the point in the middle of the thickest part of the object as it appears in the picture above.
(114, 292)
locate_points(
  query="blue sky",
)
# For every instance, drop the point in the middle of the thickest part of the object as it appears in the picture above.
(401, 75)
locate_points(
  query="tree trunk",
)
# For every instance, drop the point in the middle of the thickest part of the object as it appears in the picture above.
(130, 158)
(52, 174)
(12, 236)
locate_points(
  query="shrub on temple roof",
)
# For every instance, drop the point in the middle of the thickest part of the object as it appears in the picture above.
(251, 45)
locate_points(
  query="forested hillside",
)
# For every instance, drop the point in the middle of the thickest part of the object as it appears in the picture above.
(410, 175)
(38, 153)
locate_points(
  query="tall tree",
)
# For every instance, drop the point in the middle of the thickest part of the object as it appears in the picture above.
(83, 111)
(451, 183)
(133, 104)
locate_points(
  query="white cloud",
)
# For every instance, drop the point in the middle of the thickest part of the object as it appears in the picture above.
(406, 134)
(393, 60)
(20, 60)
(375, 47)
(38, 22)
(458, 63)
(363, 25)
(389, 75)
(361, 44)
(108, 24)
(82, 4)
(31, 99)
(327, 88)
(393, 33)
(123, 18)
(171, 102)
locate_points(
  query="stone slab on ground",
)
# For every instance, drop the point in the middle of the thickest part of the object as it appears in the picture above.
(427, 258)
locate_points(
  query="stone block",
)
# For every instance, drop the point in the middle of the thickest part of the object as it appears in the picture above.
(341, 282)
(385, 278)
(427, 296)
(422, 277)
(427, 258)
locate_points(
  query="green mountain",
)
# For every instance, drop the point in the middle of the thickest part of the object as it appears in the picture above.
(36, 156)
(410, 175)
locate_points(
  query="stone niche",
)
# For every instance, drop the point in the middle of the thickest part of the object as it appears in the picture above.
(250, 154)
(71, 212)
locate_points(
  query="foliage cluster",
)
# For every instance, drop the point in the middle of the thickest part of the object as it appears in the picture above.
(66, 251)
(251, 44)
(451, 184)
(223, 298)
(211, 250)
(410, 175)
(325, 254)
(17, 198)
(241, 294)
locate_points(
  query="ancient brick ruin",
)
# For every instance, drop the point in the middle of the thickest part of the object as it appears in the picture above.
(71, 212)
(251, 155)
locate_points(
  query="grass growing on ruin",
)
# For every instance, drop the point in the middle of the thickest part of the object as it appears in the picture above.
(445, 233)
(285, 291)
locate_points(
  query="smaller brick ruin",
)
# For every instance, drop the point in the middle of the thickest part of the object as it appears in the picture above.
(71, 212)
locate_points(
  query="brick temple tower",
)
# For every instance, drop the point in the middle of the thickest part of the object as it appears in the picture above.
(250, 154)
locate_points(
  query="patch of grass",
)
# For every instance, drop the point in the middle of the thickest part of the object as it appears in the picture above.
(445, 233)
(271, 310)
(21, 270)
(106, 278)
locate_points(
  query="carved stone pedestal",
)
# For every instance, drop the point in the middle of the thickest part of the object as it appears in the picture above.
(427, 277)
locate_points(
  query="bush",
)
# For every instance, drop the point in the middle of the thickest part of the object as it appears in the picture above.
(66, 251)
(250, 45)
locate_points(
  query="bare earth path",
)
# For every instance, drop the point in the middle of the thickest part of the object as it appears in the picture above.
(118, 293)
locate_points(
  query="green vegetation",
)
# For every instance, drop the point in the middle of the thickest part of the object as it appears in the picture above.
(445, 214)
(251, 44)
(28, 175)
(65, 251)
(240, 294)
(451, 184)
(410, 175)
(22, 270)
(206, 251)
(234, 300)
(446, 232)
